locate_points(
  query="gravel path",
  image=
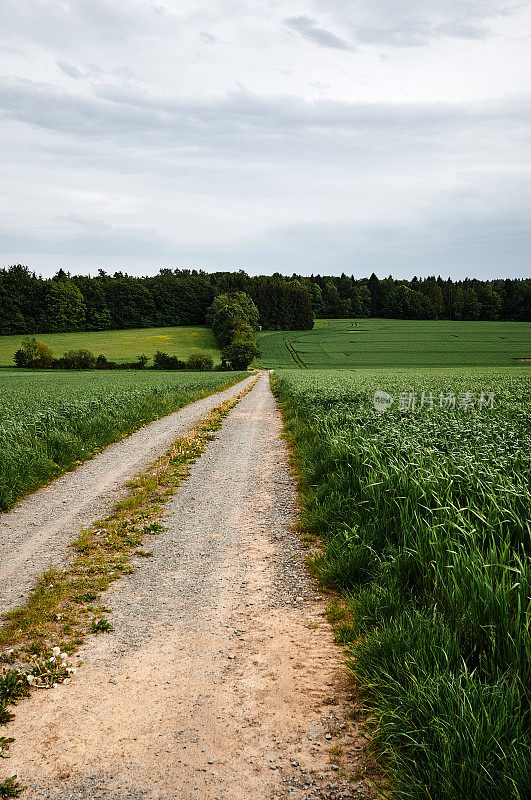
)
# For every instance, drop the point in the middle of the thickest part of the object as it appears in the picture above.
(221, 680)
(37, 531)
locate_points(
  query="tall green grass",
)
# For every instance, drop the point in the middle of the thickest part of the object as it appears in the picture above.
(50, 421)
(425, 521)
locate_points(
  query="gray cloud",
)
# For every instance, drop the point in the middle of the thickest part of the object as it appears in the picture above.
(126, 112)
(418, 22)
(87, 237)
(6, 50)
(69, 69)
(208, 38)
(488, 246)
(307, 27)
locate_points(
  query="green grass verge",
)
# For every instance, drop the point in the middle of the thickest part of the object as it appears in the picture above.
(348, 344)
(122, 346)
(423, 518)
(50, 421)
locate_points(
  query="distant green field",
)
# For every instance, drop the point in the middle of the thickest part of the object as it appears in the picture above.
(348, 344)
(332, 344)
(122, 345)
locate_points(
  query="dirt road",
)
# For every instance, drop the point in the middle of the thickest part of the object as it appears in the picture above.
(37, 531)
(221, 679)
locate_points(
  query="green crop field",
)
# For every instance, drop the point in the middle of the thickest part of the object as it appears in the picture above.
(51, 420)
(348, 344)
(332, 344)
(423, 510)
(122, 346)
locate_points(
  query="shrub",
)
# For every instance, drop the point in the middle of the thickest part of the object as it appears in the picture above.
(101, 362)
(79, 359)
(34, 354)
(240, 353)
(162, 360)
(200, 362)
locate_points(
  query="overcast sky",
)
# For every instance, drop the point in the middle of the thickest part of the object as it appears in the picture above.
(271, 135)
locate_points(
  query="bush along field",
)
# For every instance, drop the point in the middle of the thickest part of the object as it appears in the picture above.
(51, 421)
(424, 519)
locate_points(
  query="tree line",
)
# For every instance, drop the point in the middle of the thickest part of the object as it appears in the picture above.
(30, 304)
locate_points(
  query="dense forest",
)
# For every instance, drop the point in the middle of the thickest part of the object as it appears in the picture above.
(31, 304)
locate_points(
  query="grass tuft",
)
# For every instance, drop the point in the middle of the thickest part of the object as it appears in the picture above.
(11, 788)
(101, 625)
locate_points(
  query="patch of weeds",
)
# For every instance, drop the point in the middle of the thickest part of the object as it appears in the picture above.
(5, 741)
(47, 673)
(5, 715)
(13, 685)
(37, 647)
(355, 713)
(86, 597)
(144, 553)
(133, 500)
(11, 788)
(84, 543)
(124, 569)
(335, 753)
(101, 625)
(336, 610)
(153, 527)
(36, 615)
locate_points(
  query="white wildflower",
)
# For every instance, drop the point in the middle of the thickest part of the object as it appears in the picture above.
(56, 651)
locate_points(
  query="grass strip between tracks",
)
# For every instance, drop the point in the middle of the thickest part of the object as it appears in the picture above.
(63, 607)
